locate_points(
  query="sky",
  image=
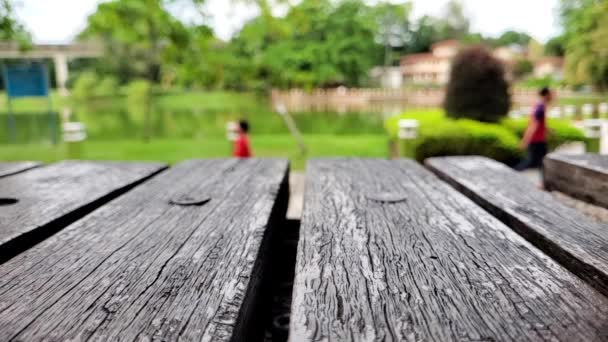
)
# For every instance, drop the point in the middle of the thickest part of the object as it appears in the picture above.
(58, 21)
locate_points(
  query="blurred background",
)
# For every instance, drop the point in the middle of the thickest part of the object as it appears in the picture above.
(162, 79)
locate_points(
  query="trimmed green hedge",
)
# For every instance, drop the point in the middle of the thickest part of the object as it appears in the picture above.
(560, 131)
(441, 136)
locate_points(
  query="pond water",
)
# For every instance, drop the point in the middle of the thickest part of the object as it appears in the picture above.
(124, 124)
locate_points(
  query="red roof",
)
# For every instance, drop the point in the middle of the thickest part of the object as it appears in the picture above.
(554, 60)
(417, 58)
(446, 43)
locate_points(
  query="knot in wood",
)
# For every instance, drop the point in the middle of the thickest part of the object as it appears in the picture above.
(188, 200)
(387, 197)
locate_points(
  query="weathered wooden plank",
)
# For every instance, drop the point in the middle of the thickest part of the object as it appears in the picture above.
(388, 252)
(563, 233)
(582, 176)
(38, 203)
(140, 268)
(11, 168)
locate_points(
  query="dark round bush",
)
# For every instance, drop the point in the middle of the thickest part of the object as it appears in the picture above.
(477, 88)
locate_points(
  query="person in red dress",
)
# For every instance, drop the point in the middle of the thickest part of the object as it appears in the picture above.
(241, 143)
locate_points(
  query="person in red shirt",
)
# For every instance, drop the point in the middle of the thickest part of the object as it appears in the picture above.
(241, 143)
(535, 137)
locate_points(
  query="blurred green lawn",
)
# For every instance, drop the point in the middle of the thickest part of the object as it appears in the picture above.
(175, 150)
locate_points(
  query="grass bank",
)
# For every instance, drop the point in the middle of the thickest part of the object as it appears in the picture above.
(175, 150)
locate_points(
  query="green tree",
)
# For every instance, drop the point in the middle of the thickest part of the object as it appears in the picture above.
(318, 43)
(513, 37)
(136, 36)
(522, 67)
(555, 46)
(476, 39)
(351, 29)
(249, 62)
(199, 63)
(454, 23)
(12, 29)
(393, 29)
(586, 33)
(423, 34)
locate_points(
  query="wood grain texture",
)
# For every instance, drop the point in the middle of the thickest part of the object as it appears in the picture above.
(11, 168)
(581, 176)
(427, 265)
(51, 197)
(142, 269)
(575, 241)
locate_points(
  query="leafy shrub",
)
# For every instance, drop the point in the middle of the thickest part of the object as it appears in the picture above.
(477, 88)
(537, 83)
(107, 87)
(84, 87)
(441, 136)
(560, 131)
(467, 137)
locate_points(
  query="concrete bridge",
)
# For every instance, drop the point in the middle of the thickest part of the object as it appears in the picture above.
(59, 53)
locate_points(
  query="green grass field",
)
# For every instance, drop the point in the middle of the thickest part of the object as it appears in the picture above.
(175, 150)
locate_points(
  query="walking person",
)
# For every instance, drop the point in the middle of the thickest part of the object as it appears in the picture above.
(535, 137)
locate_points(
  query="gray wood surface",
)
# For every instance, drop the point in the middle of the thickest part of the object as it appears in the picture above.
(142, 269)
(11, 168)
(388, 252)
(577, 242)
(581, 176)
(37, 203)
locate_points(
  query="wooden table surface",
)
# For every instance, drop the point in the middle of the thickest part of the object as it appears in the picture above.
(579, 243)
(581, 176)
(388, 252)
(178, 257)
(11, 168)
(48, 198)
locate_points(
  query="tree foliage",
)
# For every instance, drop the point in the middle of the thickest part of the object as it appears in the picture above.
(522, 67)
(12, 29)
(555, 46)
(513, 37)
(318, 43)
(477, 88)
(586, 33)
(315, 43)
(394, 30)
(137, 36)
(454, 23)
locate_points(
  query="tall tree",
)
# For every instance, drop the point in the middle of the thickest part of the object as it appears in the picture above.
(423, 34)
(454, 23)
(513, 37)
(318, 43)
(12, 29)
(393, 28)
(555, 46)
(136, 36)
(586, 33)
